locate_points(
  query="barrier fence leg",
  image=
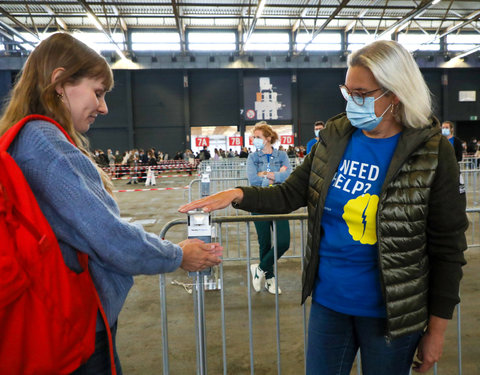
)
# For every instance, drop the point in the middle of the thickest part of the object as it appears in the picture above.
(163, 308)
(249, 293)
(199, 295)
(200, 226)
(222, 304)
(304, 309)
(277, 312)
(459, 337)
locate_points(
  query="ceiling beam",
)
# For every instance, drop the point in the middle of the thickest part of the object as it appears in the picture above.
(258, 14)
(422, 7)
(299, 19)
(324, 25)
(360, 15)
(123, 24)
(18, 23)
(470, 18)
(180, 25)
(99, 25)
(60, 21)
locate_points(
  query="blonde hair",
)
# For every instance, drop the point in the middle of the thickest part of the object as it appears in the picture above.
(34, 92)
(395, 69)
(266, 130)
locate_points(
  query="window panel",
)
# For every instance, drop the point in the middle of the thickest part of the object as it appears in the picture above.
(155, 41)
(322, 42)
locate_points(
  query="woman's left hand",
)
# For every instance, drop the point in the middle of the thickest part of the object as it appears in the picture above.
(431, 345)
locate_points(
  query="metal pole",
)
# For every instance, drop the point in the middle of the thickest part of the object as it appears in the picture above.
(163, 308)
(250, 328)
(304, 309)
(200, 317)
(459, 337)
(277, 312)
(222, 304)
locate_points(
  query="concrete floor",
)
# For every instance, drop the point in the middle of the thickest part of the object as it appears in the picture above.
(139, 335)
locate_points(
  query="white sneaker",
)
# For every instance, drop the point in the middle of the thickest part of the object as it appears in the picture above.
(257, 277)
(270, 286)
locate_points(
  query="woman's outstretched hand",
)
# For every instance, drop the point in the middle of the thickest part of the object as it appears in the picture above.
(215, 201)
(198, 255)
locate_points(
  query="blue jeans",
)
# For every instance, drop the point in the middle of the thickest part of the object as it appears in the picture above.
(99, 362)
(334, 338)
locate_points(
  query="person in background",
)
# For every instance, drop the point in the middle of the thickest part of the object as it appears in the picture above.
(111, 158)
(472, 146)
(243, 153)
(386, 222)
(319, 125)
(204, 154)
(67, 81)
(267, 167)
(448, 131)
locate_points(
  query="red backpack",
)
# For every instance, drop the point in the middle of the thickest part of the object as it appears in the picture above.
(47, 311)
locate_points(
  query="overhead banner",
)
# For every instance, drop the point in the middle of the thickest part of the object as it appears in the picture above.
(267, 98)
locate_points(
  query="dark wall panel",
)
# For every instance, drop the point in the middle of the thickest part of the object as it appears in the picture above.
(214, 97)
(5, 85)
(433, 78)
(169, 139)
(157, 97)
(115, 139)
(460, 80)
(117, 104)
(319, 98)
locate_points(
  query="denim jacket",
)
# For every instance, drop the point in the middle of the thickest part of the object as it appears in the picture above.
(257, 162)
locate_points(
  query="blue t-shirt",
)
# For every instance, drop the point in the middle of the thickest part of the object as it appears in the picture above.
(348, 279)
(451, 140)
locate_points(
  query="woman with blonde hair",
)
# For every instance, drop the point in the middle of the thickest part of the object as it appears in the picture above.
(67, 81)
(386, 222)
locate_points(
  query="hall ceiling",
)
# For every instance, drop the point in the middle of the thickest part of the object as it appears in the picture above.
(245, 16)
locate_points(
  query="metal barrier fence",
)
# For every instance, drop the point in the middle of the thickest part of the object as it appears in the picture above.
(232, 167)
(246, 256)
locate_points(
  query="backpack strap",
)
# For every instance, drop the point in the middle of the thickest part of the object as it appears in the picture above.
(11, 133)
(5, 141)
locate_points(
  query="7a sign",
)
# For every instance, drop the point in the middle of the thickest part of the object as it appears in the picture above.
(202, 141)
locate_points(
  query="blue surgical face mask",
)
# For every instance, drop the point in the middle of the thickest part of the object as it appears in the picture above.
(258, 143)
(446, 132)
(363, 116)
(317, 132)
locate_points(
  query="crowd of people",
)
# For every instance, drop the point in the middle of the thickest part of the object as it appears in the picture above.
(152, 157)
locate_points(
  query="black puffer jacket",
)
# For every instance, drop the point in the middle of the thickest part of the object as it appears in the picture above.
(421, 220)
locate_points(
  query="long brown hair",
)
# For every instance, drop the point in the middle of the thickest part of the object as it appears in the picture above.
(34, 92)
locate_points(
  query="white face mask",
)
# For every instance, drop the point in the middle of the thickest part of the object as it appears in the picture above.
(317, 132)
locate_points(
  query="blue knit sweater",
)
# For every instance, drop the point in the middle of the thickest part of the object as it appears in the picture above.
(85, 217)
